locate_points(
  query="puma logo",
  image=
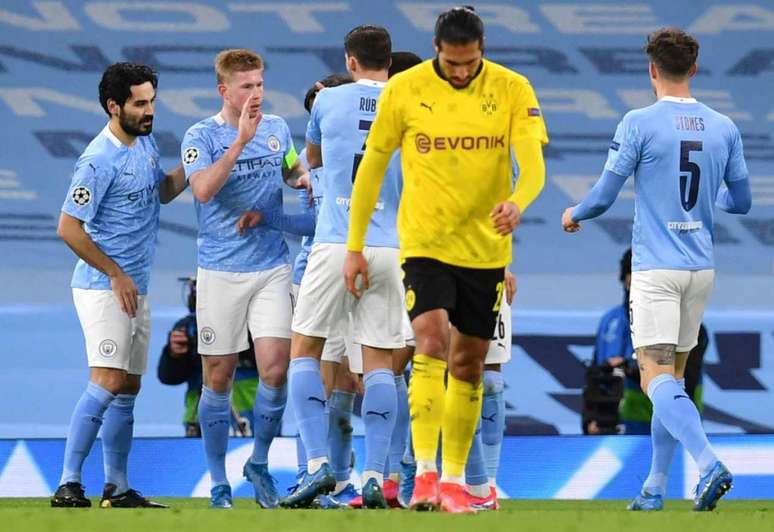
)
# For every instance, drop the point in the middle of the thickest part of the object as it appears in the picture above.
(313, 398)
(490, 418)
(383, 415)
(681, 397)
(426, 106)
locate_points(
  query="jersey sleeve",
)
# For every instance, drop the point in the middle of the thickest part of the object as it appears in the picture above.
(386, 132)
(291, 156)
(736, 167)
(623, 156)
(526, 117)
(196, 151)
(90, 183)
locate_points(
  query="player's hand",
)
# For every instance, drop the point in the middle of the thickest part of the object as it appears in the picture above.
(355, 264)
(125, 292)
(567, 223)
(178, 343)
(506, 217)
(249, 119)
(510, 286)
(248, 220)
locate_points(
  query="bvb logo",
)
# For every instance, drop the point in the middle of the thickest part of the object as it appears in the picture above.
(411, 299)
(488, 105)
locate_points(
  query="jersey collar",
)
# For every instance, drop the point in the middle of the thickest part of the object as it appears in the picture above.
(111, 137)
(371, 83)
(218, 118)
(675, 99)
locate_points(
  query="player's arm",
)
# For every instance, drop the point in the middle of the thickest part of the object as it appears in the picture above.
(172, 185)
(71, 230)
(736, 198)
(298, 224)
(207, 182)
(527, 137)
(622, 160)
(314, 154)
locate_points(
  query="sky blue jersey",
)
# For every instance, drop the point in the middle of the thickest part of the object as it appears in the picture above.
(255, 183)
(115, 192)
(679, 151)
(341, 118)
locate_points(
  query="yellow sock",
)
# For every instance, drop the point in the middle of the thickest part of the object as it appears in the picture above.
(460, 417)
(426, 398)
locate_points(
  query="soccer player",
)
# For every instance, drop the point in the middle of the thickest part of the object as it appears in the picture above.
(679, 151)
(456, 119)
(236, 162)
(341, 117)
(110, 219)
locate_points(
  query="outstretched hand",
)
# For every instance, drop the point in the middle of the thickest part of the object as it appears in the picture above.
(248, 220)
(567, 223)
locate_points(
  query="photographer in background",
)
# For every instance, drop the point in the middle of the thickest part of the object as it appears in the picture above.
(613, 401)
(180, 363)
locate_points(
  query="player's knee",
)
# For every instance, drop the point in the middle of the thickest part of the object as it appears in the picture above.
(466, 368)
(274, 374)
(433, 345)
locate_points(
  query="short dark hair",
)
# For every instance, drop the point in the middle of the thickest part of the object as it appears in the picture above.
(402, 61)
(370, 45)
(625, 265)
(459, 25)
(673, 51)
(334, 80)
(117, 81)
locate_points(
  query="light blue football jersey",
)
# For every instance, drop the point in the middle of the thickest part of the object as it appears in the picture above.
(679, 151)
(255, 183)
(341, 118)
(115, 192)
(299, 265)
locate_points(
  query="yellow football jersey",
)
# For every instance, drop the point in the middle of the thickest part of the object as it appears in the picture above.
(456, 158)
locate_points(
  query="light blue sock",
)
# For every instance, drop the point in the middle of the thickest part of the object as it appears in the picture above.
(378, 412)
(84, 425)
(401, 430)
(340, 407)
(308, 398)
(267, 415)
(679, 416)
(492, 420)
(215, 421)
(300, 457)
(408, 454)
(117, 431)
(475, 468)
(663, 450)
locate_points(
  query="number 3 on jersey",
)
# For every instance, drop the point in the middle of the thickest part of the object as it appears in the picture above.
(365, 125)
(689, 184)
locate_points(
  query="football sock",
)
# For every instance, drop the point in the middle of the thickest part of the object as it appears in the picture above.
(475, 468)
(679, 416)
(426, 404)
(300, 457)
(117, 432)
(84, 425)
(267, 418)
(492, 421)
(308, 398)
(378, 412)
(340, 405)
(462, 410)
(400, 432)
(215, 421)
(664, 446)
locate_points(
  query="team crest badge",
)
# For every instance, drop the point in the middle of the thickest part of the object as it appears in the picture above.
(81, 196)
(273, 143)
(108, 348)
(411, 299)
(207, 335)
(190, 155)
(152, 162)
(488, 104)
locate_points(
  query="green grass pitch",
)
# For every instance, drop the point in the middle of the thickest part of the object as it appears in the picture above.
(189, 515)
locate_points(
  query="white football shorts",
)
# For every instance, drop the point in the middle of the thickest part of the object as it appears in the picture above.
(667, 306)
(113, 339)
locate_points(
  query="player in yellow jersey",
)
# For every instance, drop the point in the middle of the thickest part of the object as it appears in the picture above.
(455, 119)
